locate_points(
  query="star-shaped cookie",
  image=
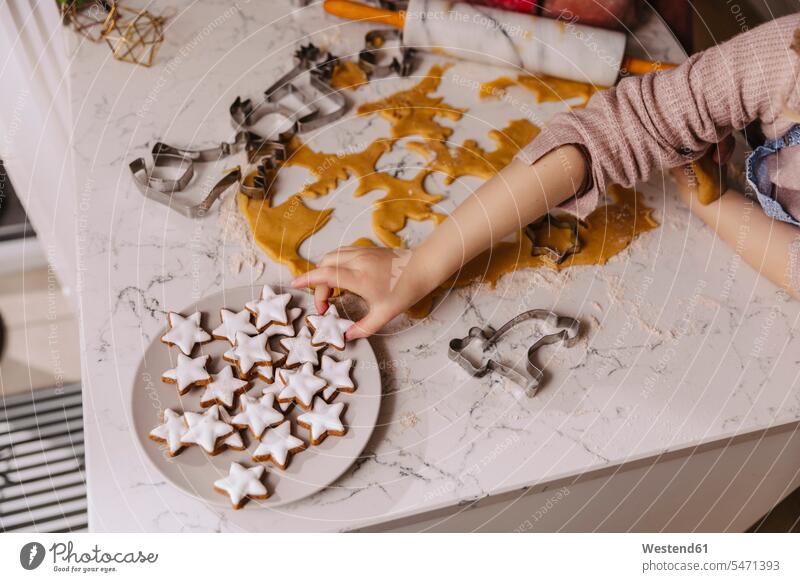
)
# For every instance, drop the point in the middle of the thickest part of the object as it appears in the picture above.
(300, 386)
(185, 332)
(277, 444)
(329, 328)
(257, 414)
(223, 389)
(170, 432)
(206, 429)
(325, 419)
(271, 308)
(248, 352)
(300, 350)
(337, 375)
(242, 484)
(233, 322)
(189, 372)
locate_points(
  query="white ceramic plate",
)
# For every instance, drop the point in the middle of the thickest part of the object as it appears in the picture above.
(309, 471)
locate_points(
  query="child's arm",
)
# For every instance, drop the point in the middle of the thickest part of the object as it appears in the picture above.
(391, 281)
(770, 246)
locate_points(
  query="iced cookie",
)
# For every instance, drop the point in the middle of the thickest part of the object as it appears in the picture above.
(300, 350)
(185, 332)
(206, 430)
(337, 375)
(233, 322)
(275, 389)
(257, 414)
(170, 432)
(223, 389)
(277, 444)
(300, 386)
(188, 373)
(242, 484)
(323, 420)
(233, 442)
(248, 352)
(285, 329)
(266, 372)
(329, 328)
(271, 308)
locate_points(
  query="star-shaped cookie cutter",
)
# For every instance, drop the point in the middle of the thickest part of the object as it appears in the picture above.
(569, 331)
(555, 255)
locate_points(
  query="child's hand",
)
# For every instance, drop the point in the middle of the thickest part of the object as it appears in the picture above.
(383, 277)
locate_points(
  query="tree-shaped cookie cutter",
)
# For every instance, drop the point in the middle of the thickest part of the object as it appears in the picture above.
(569, 331)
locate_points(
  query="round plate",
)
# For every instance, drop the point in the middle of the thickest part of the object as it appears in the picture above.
(309, 471)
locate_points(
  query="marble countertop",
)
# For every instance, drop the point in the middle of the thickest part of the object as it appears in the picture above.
(684, 344)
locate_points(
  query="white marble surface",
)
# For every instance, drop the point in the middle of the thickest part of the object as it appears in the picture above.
(684, 344)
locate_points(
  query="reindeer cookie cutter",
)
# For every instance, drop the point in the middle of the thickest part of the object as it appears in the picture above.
(374, 51)
(568, 334)
(182, 162)
(309, 59)
(555, 255)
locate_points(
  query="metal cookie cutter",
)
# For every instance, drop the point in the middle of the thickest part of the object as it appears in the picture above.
(375, 45)
(308, 59)
(555, 255)
(259, 187)
(568, 334)
(162, 190)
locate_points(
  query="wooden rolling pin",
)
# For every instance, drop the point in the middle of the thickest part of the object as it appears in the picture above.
(489, 35)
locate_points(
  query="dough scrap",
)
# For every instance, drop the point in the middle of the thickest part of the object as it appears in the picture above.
(405, 200)
(470, 159)
(413, 112)
(348, 75)
(280, 230)
(544, 87)
(330, 168)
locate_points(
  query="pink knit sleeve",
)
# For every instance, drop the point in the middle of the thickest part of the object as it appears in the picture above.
(667, 119)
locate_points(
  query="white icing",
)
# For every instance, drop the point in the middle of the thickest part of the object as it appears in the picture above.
(205, 429)
(286, 329)
(300, 350)
(248, 351)
(185, 332)
(266, 372)
(324, 419)
(233, 322)
(276, 444)
(234, 442)
(223, 388)
(275, 389)
(257, 414)
(171, 431)
(337, 375)
(300, 385)
(242, 482)
(189, 372)
(271, 308)
(329, 328)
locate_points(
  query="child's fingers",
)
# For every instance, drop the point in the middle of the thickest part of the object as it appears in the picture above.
(337, 257)
(321, 295)
(330, 276)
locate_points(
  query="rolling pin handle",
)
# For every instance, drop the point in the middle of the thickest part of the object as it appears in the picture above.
(358, 11)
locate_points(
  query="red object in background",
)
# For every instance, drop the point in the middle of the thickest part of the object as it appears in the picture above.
(613, 14)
